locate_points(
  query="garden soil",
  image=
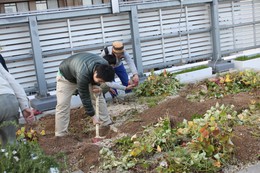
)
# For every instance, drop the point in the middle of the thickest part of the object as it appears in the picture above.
(129, 118)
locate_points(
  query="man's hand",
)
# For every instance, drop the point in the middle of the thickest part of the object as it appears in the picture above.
(130, 86)
(95, 120)
(135, 79)
(112, 91)
(96, 90)
(28, 115)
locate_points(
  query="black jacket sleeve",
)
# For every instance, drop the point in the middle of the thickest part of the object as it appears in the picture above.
(2, 61)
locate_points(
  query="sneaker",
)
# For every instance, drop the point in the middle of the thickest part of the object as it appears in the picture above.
(107, 124)
(61, 134)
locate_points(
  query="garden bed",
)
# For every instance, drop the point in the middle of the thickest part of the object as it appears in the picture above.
(132, 116)
(83, 155)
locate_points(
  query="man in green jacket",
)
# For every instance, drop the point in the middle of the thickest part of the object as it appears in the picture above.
(82, 72)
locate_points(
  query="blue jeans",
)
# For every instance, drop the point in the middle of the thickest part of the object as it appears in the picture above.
(123, 76)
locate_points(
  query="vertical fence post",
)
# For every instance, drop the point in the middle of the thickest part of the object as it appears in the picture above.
(37, 57)
(43, 101)
(217, 64)
(136, 43)
(115, 6)
(215, 31)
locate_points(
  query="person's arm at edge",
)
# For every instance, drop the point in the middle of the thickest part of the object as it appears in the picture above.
(20, 95)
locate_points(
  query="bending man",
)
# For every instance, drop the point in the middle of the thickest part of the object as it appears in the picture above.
(82, 71)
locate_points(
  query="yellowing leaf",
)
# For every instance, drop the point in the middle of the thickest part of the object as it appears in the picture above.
(43, 132)
(212, 118)
(221, 80)
(29, 135)
(180, 131)
(164, 73)
(32, 131)
(23, 129)
(18, 132)
(190, 123)
(135, 152)
(228, 78)
(253, 102)
(133, 137)
(159, 149)
(217, 164)
(137, 143)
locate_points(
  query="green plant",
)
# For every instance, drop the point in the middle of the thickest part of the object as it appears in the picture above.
(124, 143)
(191, 69)
(151, 101)
(163, 84)
(226, 84)
(28, 134)
(200, 145)
(196, 116)
(27, 157)
(245, 58)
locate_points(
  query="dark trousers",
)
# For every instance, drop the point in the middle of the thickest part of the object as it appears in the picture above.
(123, 76)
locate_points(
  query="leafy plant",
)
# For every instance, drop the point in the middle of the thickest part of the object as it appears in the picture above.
(163, 84)
(226, 84)
(250, 116)
(200, 145)
(26, 157)
(28, 134)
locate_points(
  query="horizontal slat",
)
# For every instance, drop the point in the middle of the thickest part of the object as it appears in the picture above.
(53, 36)
(88, 27)
(52, 31)
(9, 29)
(54, 41)
(52, 24)
(14, 35)
(55, 47)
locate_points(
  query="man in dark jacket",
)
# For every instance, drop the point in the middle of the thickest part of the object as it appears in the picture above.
(82, 72)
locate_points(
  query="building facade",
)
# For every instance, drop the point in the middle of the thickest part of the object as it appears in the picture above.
(16, 6)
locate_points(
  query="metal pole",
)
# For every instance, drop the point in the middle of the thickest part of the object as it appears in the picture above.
(115, 6)
(215, 32)
(37, 57)
(217, 64)
(136, 43)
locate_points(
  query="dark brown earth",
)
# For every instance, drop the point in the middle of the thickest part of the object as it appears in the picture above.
(82, 153)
